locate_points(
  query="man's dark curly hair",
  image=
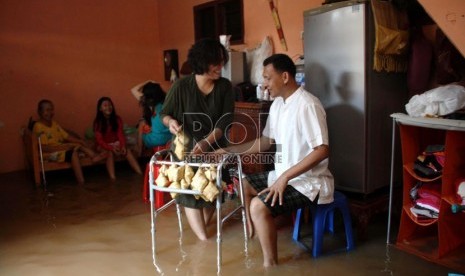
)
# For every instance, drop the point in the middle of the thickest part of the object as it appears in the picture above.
(206, 52)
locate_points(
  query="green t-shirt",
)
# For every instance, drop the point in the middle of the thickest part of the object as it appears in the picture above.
(200, 114)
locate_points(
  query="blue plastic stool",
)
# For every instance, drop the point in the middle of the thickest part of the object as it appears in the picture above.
(321, 213)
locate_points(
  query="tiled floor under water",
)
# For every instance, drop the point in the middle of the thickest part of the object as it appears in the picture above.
(103, 228)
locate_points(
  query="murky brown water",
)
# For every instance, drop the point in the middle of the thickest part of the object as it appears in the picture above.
(103, 228)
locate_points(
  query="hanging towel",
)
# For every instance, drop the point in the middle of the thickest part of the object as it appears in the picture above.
(391, 37)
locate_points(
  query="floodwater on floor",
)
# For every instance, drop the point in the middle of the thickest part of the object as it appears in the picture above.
(103, 228)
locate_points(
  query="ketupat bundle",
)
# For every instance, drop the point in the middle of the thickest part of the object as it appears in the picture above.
(175, 173)
(210, 192)
(181, 143)
(183, 177)
(163, 169)
(162, 180)
(199, 181)
(175, 185)
(184, 184)
(188, 174)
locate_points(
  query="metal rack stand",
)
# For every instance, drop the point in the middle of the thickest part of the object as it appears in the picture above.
(226, 159)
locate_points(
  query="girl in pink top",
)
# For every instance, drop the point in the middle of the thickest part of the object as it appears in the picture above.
(109, 136)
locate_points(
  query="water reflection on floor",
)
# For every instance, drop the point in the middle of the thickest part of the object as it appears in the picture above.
(103, 228)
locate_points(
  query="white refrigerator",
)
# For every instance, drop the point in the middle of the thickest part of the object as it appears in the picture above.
(338, 52)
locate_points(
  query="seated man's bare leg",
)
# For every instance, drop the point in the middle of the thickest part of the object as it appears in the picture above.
(266, 231)
(249, 193)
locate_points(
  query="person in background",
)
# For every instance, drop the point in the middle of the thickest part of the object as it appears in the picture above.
(201, 105)
(152, 131)
(297, 126)
(57, 144)
(109, 136)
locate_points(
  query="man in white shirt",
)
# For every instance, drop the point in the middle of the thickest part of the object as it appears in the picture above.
(297, 125)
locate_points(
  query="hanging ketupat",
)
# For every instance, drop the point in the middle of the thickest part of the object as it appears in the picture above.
(162, 180)
(184, 184)
(188, 174)
(175, 173)
(183, 177)
(210, 192)
(181, 143)
(175, 185)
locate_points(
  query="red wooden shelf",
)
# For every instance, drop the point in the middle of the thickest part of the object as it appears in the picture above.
(409, 168)
(440, 240)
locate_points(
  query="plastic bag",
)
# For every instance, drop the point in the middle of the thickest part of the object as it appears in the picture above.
(255, 58)
(438, 101)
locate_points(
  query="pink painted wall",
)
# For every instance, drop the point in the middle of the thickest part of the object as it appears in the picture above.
(71, 52)
(176, 17)
(75, 51)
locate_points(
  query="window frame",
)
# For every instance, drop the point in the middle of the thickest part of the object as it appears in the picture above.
(211, 20)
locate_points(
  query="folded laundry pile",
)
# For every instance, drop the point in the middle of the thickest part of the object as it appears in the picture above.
(427, 199)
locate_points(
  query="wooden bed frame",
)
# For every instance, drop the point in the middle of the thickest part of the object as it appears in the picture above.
(31, 145)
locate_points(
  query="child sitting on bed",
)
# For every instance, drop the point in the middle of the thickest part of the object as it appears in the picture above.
(109, 136)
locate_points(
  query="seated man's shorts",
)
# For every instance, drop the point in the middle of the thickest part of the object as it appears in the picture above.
(292, 199)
